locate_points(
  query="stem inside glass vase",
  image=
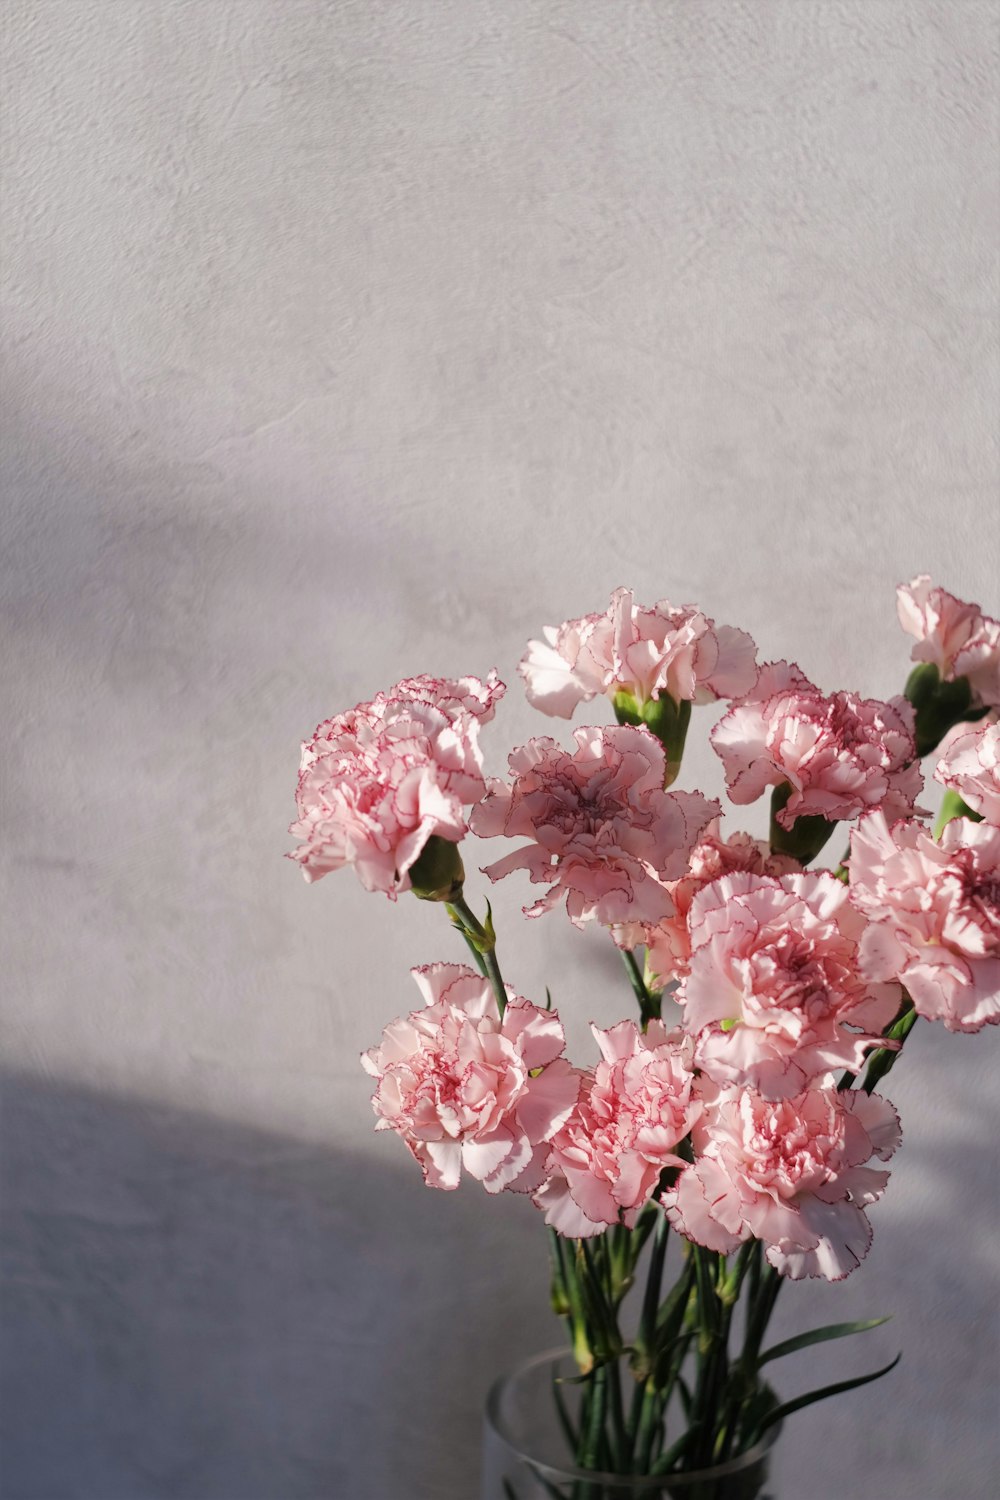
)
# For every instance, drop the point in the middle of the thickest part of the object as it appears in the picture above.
(532, 1417)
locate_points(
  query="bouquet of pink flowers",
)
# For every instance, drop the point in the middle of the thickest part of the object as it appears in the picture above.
(746, 1121)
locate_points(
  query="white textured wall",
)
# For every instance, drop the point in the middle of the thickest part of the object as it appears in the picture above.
(349, 340)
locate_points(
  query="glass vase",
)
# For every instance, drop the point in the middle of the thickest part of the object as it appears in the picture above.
(526, 1455)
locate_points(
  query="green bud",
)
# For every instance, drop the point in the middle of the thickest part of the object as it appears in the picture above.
(437, 873)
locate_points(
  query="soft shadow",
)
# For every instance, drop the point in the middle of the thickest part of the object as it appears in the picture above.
(195, 1309)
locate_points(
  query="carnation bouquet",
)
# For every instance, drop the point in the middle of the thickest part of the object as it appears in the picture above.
(732, 1113)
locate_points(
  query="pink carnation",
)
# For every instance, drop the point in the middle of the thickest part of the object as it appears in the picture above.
(452, 696)
(840, 754)
(633, 1111)
(970, 766)
(668, 944)
(934, 910)
(605, 835)
(790, 1174)
(455, 1081)
(958, 638)
(774, 995)
(642, 651)
(376, 782)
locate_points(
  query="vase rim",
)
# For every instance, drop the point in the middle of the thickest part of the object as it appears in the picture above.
(737, 1465)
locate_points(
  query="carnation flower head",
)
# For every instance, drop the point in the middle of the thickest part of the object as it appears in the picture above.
(956, 637)
(774, 995)
(668, 943)
(934, 915)
(790, 1173)
(605, 836)
(634, 1109)
(970, 766)
(840, 755)
(641, 651)
(376, 782)
(455, 1081)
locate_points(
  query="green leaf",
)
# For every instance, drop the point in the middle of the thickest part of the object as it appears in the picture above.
(778, 1413)
(819, 1336)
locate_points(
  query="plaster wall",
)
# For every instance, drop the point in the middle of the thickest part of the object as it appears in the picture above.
(345, 341)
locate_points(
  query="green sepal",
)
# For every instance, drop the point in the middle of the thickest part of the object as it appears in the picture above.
(437, 874)
(952, 806)
(662, 716)
(938, 705)
(807, 835)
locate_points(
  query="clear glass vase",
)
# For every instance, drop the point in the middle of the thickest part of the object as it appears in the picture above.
(526, 1455)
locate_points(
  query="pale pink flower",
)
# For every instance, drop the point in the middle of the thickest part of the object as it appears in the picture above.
(633, 1111)
(643, 651)
(455, 1081)
(957, 637)
(377, 782)
(840, 754)
(453, 696)
(970, 766)
(774, 995)
(605, 835)
(789, 1173)
(668, 943)
(934, 912)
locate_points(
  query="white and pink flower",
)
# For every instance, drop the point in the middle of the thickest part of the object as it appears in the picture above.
(377, 782)
(642, 651)
(841, 754)
(970, 766)
(634, 1110)
(934, 915)
(957, 637)
(668, 943)
(456, 1082)
(790, 1173)
(774, 995)
(605, 836)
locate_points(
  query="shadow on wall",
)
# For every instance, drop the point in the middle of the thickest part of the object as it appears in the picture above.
(200, 1310)
(195, 1309)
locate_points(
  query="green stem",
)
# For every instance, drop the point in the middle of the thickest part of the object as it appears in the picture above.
(483, 939)
(650, 1417)
(730, 1294)
(654, 1279)
(477, 957)
(590, 1455)
(882, 1060)
(649, 1004)
(710, 1336)
(766, 1291)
